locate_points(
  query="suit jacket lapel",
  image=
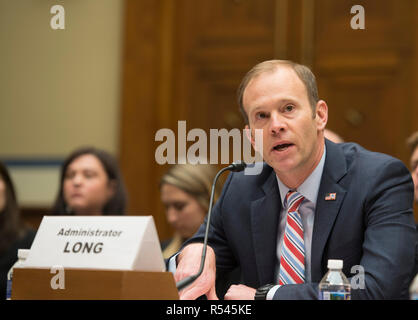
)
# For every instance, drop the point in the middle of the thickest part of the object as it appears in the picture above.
(327, 210)
(264, 222)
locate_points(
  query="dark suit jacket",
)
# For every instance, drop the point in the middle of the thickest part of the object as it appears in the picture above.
(369, 224)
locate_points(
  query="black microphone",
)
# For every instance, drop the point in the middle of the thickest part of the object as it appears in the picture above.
(236, 167)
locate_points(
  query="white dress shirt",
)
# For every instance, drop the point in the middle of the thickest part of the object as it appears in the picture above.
(309, 189)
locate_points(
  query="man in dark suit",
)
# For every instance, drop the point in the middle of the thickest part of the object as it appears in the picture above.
(352, 204)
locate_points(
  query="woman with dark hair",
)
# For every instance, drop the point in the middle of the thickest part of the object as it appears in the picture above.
(14, 234)
(90, 184)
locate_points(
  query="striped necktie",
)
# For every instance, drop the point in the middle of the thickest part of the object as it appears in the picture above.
(292, 260)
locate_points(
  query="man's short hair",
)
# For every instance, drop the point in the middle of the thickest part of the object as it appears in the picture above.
(303, 72)
(412, 141)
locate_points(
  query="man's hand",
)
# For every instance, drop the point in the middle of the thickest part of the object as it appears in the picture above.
(188, 263)
(240, 292)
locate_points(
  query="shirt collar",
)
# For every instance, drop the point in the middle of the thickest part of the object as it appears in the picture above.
(310, 187)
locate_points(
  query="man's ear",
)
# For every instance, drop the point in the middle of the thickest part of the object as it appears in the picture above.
(321, 113)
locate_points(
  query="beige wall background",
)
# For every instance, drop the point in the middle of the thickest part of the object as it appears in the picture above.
(59, 89)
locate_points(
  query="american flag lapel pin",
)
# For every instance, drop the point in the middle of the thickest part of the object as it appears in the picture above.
(330, 196)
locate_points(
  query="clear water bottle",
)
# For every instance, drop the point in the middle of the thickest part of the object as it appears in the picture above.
(22, 254)
(413, 289)
(334, 285)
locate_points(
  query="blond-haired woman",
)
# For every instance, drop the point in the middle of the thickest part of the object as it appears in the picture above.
(185, 192)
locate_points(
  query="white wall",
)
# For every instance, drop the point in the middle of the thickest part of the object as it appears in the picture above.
(59, 89)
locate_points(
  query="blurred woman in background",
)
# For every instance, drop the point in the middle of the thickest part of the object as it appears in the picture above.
(14, 234)
(90, 184)
(185, 192)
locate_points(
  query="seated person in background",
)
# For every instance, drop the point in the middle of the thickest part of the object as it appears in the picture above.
(90, 184)
(14, 234)
(413, 145)
(331, 135)
(185, 193)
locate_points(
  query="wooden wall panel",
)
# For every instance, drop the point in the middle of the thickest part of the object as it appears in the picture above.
(217, 42)
(366, 75)
(140, 101)
(414, 113)
(369, 77)
(184, 59)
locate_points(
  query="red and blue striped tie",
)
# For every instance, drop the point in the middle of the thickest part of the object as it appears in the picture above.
(292, 260)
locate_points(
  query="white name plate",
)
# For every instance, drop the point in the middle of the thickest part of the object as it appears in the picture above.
(97, 242)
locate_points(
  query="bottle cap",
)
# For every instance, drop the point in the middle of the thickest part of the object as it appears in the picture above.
(335, 264)
(22, 253)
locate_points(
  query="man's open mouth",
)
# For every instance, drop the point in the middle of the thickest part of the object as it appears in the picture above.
(281, 147)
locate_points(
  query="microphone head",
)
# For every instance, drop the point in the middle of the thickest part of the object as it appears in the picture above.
(237, 166)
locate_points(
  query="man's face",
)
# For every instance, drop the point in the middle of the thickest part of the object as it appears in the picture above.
(414, 171)
(277, 102)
